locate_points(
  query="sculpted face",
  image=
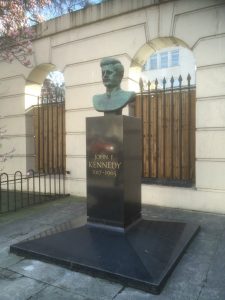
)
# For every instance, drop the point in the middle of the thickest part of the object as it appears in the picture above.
(113, 101)
(110, 76)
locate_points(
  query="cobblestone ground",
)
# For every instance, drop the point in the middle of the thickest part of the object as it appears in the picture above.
(200, 274)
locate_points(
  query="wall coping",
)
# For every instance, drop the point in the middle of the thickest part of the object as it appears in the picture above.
(92, 14)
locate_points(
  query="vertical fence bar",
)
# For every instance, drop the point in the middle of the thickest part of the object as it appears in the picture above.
(149, 131)
(47, 132)
(52, 155)
(7, 190)
(141, 85)
(180, 127)
(59, 148)
(1, 193)
(172, 127)
(164, 127)
(48, 142)
(43, 135)
(59, 184)
(8, 199)
(63, 140)
(157, 128)
(28, 191)
(189, 126)
(62, 133)
(39, 136)
(44, 183)
(39, 139)
(33, 180)
(54, 183)
(57, 136)
(15, 198)
(39, 187)
(21, 188)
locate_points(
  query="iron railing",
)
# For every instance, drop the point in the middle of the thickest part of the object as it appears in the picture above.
(168, 131)
(49, 132)
(18, 191)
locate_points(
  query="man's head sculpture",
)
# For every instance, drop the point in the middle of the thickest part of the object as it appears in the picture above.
(115, 99)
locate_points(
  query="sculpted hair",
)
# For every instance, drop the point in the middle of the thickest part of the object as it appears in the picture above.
(115, 63)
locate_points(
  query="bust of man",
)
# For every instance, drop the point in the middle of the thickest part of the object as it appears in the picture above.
(115, 99)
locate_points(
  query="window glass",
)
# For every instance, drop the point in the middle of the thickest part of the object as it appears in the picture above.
(153, 62)
(175, 58)
(164, 60)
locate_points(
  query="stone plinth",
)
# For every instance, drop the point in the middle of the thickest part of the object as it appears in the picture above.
(113, 170)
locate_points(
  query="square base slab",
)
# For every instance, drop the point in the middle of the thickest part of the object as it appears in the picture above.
(143, 257)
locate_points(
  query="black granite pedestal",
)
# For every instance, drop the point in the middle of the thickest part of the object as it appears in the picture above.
(115, 243)
(113, 170)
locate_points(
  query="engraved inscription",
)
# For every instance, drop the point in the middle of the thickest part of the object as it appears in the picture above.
(106, 165)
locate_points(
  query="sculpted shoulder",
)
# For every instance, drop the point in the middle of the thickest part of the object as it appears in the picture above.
(113, 102)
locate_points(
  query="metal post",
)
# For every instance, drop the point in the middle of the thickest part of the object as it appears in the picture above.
(189, 126)
(180, 127)
(7, 190)
(164, 127)
(149, 131)
(172, 126)
(157, 128)
(43, 135)
(141, 85)
(21, 188)
(52, 155)
(39, 137)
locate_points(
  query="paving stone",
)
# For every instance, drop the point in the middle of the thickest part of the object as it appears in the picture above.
(38, 270)
(216, 274)
(132, 294)
(191, 269)
(8, 274)
(19, 289)
(53, 293)
(212, 294)
(88, 286)
(8, 259)
(206, 246)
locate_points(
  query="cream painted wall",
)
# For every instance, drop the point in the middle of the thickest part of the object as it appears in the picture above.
(129, 30)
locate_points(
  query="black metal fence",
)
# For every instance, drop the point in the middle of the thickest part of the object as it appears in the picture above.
(18, 191)
(168, 129)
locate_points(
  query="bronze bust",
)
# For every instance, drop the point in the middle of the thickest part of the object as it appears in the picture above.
(115, 99)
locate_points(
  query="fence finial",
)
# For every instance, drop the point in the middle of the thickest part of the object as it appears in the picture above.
(164, 83)
(172, 81)
(156, 83)
(141, 84)
(189, 79)
(180, 81)
(149, 85)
